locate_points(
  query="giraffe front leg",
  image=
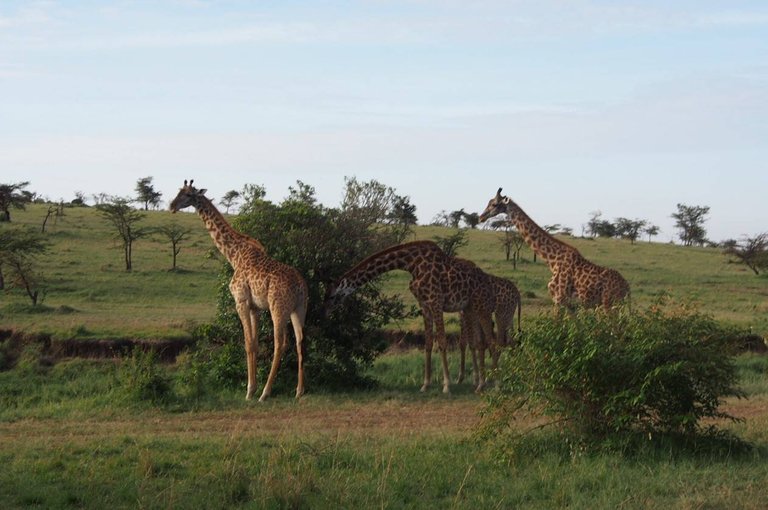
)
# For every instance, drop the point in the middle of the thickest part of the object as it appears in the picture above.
(249, 320)
(443, 343)
(485, 324)
(463, 348)
(428, 339)
(281, 341)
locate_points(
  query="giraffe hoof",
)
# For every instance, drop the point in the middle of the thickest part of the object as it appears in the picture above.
(424, 388)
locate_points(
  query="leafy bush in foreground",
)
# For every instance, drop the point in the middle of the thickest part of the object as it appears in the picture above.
(599, 375)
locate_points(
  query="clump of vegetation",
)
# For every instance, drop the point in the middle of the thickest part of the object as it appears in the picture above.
(143, 378)
(600, 376)
(19, 252)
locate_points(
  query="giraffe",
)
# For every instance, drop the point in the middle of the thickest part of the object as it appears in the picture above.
(438, 283)
(573, 276)
(506, 300)
(258, 283)
(476, 321)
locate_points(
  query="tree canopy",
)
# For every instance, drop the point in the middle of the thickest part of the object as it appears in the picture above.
(689, 220)
(13, 196)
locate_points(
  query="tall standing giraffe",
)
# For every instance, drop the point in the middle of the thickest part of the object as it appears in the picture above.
(438, 283)
(573, 276)
(258, 283)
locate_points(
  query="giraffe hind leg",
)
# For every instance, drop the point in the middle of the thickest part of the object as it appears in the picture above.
(298, 329)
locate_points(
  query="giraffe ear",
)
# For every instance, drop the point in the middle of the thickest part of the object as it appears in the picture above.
(201, 191)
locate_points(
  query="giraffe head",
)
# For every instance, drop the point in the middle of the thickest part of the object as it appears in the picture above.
(335, 294)
(496, 205)
(188, 196)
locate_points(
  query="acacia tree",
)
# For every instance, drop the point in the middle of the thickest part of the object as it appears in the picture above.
(175, 233)
(13, 196)
(629, 229)
(651, 230)
(146, 194)
(690, 222)
(19, 249)
(451, 244)
(751, 251)
(403, 212)
(471, 219)
(124, 218)
(230, 199)
(379, 205)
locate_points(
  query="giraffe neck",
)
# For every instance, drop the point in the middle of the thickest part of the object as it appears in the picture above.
(227, 239)
(540, 241)
(405, 257)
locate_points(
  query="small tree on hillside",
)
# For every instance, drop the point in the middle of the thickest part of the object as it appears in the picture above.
(455, 218)
(19, 249)
(690, 222)
(451, 244)
(751, 251)
(592, 224)
(513, 242)
(146, 194)
(125, 219)
(13, 196)
(629, 229)
(651, 230)
(403, 212)
(441, 219)
(230, 199)
(175, 233)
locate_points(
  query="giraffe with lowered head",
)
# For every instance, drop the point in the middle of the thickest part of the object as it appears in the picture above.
(506, 300)
(575, 280)
(258, 283)
(439, 284)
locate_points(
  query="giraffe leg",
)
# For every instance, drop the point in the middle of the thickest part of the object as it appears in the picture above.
(249, 320)
(463, 348)
(469, 332)
(443, 343)
(486, 326)
(428, 339)
(298, 330)
(280, 333)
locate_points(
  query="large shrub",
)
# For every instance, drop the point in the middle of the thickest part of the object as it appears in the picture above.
(322, 243)
(596, 374)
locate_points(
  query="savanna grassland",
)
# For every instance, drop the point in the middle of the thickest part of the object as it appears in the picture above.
(70, 435)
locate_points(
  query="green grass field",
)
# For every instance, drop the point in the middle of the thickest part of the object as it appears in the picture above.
(71, 438)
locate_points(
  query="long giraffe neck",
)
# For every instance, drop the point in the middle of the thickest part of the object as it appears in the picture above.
(540, 241)
(405, 257)
(227, 239)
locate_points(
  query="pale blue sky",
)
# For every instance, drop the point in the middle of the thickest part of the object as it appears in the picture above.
(571, 106)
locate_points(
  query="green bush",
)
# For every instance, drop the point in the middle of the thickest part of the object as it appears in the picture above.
(143, 379)
(599, 375)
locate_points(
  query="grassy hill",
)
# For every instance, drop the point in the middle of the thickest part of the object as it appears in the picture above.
(90, 295)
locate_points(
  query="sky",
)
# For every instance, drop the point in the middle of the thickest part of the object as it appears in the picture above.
(623, 107)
